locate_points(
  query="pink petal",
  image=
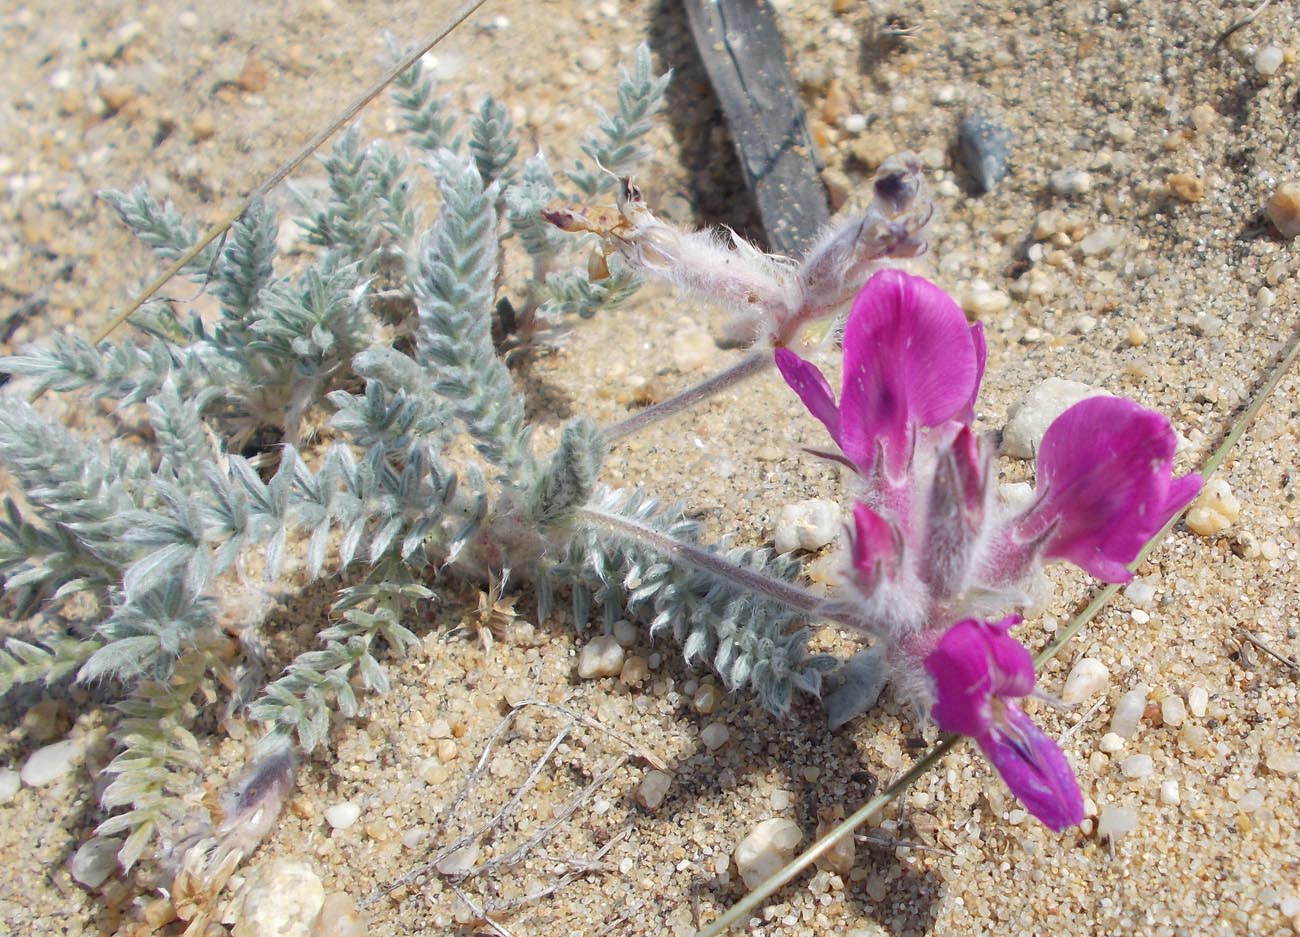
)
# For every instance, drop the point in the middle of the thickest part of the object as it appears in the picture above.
(1034, 768)
(1106, 485)
(808, 382)
(971, 664)
(909, 358)
(875, 546)
(960, 668)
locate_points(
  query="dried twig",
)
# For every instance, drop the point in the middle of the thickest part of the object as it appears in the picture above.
(1071, 730)
(1284, 661)
(1244, 21)
(570, 808)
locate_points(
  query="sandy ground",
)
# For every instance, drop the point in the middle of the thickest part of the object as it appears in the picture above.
(1183, 308)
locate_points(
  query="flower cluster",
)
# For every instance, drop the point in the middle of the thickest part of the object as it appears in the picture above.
(936, 551)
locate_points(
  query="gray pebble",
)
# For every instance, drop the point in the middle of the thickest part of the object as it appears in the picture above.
(1028, 419)
(95, 861)
(985, 150)
(1070, 182)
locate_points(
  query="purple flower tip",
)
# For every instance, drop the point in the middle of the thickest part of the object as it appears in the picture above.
(979, 671)
(1105, 485)
(875, 546)
(910, 360)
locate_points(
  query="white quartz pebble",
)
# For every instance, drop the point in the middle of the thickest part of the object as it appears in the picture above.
(46, 765)
(341, 816)
(1198, 699)
(1116, 822)
(1128, 712)
(766, 849)
(280, 897)
(1088, 677)
(653, 789)
(1110, 743)
(1173, 710)
(9, 784)
(602, 656)
(1137, 766)
(1028, 418)
(1169, 794)
(807, 525)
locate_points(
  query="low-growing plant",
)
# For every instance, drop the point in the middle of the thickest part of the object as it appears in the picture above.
(397, 337)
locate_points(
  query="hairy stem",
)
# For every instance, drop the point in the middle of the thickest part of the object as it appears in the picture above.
(754, 362)
(783, 593)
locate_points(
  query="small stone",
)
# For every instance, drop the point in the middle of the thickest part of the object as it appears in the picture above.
(253, 77)
(515, 693)
(1283, 208)
(462, 860)
(1028, 418)
(707, 699)
(46, 765)
(282, 897)
(1136, 767)
(984, 147)
(1268, 60)
(1070, 182)
(593, 59)
(692, 349)
(854, 123)
(602, 656)
(1102, 240)
(1128, 712)
(1198, 700)
(1116, 822)
(626, 633)
(1173, 710)
(762, 853)
(634, 671)
(983, 301)
(806, 525)
(652, 790)
(116, 97)
(341, 816)
(1084, 324)
(9, 784)
(1047, 223)
(873, 148)
(1251, 801)
(1186, 187)
(1136, 336)
(95, 861)
(840, 857)
(1140, 592)
(714, 735)
(204, 127)
(1088, 677)
(1140, 617)
(1110, 743)
(1281, 761)
(447, 751)
(1215, 510)
(1204, 118)
(440, 729)
(339, 917)
(1169, 794)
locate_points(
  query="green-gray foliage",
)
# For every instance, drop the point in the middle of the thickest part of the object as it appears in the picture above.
(162, 536)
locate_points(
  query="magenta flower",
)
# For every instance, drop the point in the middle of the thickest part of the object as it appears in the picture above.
(1105, 486)
(979, 671)
(910, 361)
